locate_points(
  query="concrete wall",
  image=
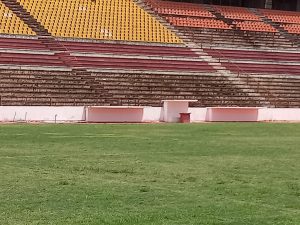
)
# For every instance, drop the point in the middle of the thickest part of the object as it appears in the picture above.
(279, 114)
(148, 114)
(224, 114)
(116, 115)
(41, 113)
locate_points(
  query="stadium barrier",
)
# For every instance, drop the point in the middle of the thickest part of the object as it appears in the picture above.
(74, 114)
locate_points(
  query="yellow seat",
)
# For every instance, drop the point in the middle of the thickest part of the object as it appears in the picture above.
(102, 19)
(11, 24)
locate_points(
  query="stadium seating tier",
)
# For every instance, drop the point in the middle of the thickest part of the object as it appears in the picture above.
(11, 24)
(155, 71)
(112, 20)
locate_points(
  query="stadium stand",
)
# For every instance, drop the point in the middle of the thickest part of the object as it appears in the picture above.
(111, 20)
(222, 25)
(45, 88)
(30, 59)
(258, 61)
(143, 64)
(11, 24)
(181, 9)
(128, 49)
(255, 55)
(236, 13)
(67, 88)
(289, 21)
(292, 28)
(282, 16)
(166, 50)
(196, 22)
(21, 43)
(101, 55)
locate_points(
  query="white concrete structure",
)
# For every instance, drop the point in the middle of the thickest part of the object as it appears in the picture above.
(42, 113)
(144, 114)
(172, 108)
(238, 114)
(116, 114)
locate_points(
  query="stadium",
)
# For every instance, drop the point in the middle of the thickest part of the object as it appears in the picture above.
(149, 61)
(93, 94)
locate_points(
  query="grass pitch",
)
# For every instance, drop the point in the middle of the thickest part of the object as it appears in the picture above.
(163, 174)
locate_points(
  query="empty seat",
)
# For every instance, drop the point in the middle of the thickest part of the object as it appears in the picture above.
(236, 13)
(292, 28)
(11, 24)
(256, 26)
(198, 22)
(175, 8)
(282, 16)
(112, 20)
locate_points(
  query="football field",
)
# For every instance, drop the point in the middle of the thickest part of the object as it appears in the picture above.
(158, 174)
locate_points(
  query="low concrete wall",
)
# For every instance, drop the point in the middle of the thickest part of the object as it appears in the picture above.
(41, 113)
(115, 115)
(279, 114)
(153, 114)
(147, 114)
(238, 114)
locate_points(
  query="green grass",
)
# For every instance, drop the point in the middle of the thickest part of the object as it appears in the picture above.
(174, 174)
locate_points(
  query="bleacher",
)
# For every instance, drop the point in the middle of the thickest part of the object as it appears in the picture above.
(28, 87)
(243, 61)
(47, 88)
(290, 21)
(111, 20)
(11, 24)
(221, 25)
(33, 44)
(129, 53)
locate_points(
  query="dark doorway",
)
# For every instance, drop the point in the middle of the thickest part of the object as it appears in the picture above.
(290, 5)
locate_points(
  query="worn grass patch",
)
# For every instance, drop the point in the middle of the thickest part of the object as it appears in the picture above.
(233, 173)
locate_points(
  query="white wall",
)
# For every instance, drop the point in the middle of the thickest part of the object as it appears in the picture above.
(198, 114)
(41, 113)
(279, 114)
(114, 115)
(149, 114)
(153, 114)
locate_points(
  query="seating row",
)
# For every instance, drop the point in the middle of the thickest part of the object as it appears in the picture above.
(119, 49)
(292, 28)
(256, 26)
(101, 62)
(254, 55)
(197, 22)
(112, 20)
(236, 13)
(20, 43)
(33, 44)
(116, 89)
(263, 68)
(282, 16)
(72, 88)
(191, 15)
(174, 8)
(260, 62)
(142, 64)
(11, 24)
(7, 58)
(42, 88)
